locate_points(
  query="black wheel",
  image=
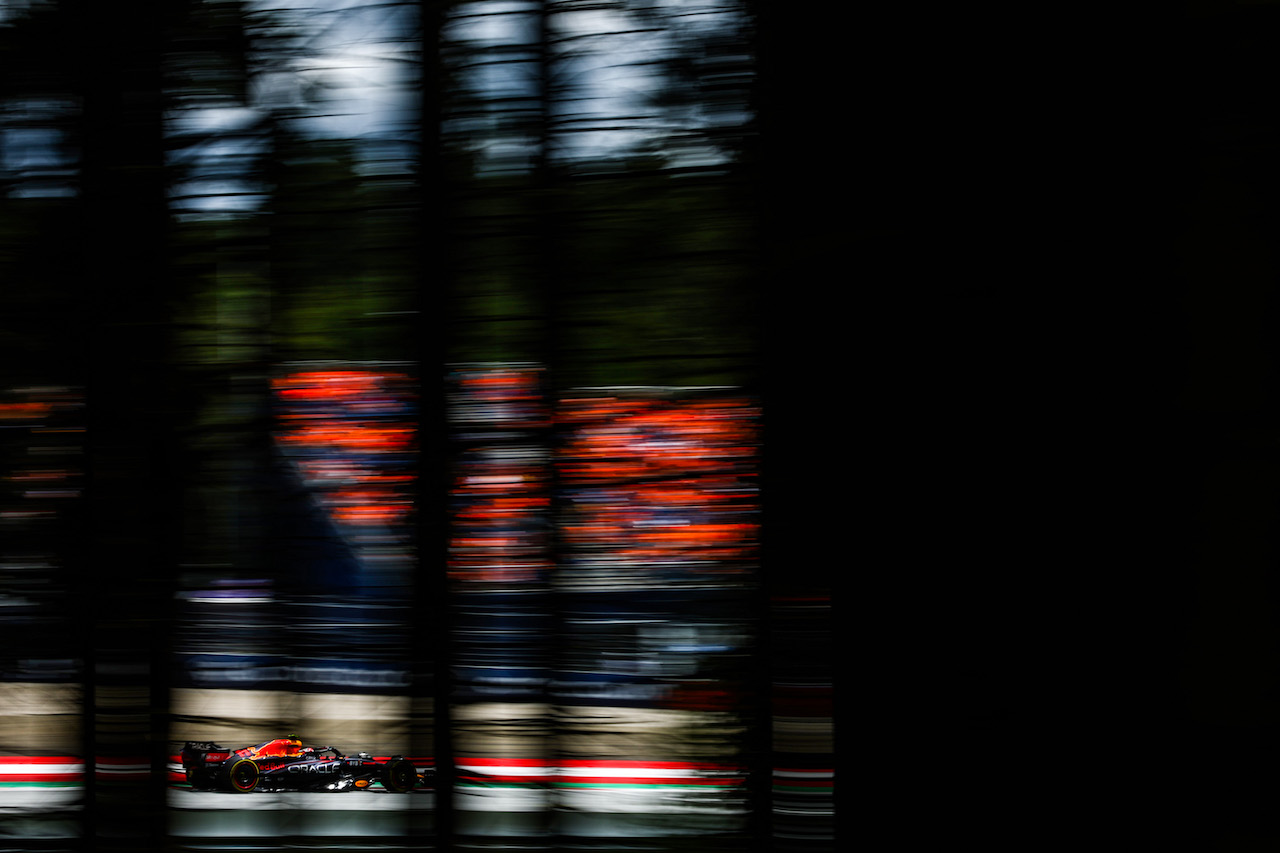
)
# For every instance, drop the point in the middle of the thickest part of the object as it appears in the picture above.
(399, 777)
(243, 776)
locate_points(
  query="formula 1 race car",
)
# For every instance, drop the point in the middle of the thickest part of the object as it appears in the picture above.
(284, 764)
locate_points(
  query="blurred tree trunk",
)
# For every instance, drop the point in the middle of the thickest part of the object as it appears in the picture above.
(134, 506)
(430, 649)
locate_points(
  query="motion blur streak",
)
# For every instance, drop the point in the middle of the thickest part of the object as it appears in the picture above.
(604, 696)
(41, 699)
(41, 480)
(658, 535)
(349, 438)
(500, 566)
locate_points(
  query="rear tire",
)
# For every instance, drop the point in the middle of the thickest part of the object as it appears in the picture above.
(243, 776)
(399, 776)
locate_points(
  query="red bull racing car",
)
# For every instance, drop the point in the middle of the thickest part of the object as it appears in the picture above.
(284, 764)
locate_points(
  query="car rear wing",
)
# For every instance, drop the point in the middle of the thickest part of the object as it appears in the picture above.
(198, 754)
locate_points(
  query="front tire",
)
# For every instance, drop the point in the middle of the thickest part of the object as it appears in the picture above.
(400, 776)
(243, 776)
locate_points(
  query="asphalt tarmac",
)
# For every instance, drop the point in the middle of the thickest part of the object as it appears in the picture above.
(371, 813)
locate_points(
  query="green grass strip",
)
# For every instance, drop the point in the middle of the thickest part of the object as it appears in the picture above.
(41, 784)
